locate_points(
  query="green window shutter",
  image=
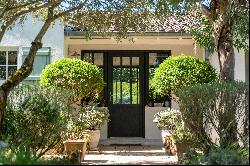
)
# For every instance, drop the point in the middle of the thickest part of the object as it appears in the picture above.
(42, 58)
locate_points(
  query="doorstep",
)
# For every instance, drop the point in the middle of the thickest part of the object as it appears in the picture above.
(130, 141)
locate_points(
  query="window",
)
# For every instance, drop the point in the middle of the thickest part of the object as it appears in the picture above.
(42, 58)
(8, 62)
(95, 58)
(155, 59)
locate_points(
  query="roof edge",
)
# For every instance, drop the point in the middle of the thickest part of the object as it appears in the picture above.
(82, 33)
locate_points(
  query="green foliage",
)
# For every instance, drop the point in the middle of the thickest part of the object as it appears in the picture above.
(155, 97)
(90, 118)
(125, 76)
(35, 117)
(167, 119)
(205, 28)
(125, 92)
(192, 157)
(177, 72)
(227, 156)
(84, 78)
(231, 155)
(239, 31)
(221, 106)
(20, 157)
(240, 34)
(203, 34)
(182, 134)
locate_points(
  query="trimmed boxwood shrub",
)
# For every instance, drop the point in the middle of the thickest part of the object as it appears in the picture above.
(177, 72)
(83, 77)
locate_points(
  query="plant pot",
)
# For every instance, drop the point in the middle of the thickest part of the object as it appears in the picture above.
(169, 146)
(150, 103)
(72, 146)
(181, 148)
(94, 139)
(165, 133)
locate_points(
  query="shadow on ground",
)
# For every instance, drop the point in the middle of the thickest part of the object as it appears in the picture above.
(129, 155)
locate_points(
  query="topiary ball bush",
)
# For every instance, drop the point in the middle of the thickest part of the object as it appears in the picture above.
(177, 72)
(84, 78)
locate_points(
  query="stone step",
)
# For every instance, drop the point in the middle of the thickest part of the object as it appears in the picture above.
(130, 141)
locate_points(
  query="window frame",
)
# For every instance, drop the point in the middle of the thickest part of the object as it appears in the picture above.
(8, 49)
(158, 54)
(39, 53)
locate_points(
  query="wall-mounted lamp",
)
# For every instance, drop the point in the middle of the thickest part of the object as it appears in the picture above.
(75, 54)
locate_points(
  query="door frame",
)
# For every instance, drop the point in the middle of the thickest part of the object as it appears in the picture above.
(142, 85)
(145, 86)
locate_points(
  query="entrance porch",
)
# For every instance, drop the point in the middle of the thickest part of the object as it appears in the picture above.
(127, 68)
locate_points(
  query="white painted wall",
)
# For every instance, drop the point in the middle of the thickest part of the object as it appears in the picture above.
(240, 64)
(151, 130)
(22, 36)
(152, 133)
(240, 73)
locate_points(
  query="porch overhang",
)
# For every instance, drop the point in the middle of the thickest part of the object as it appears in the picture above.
(82, 33)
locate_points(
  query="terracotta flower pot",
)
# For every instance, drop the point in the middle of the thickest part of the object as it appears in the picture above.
(71, 146)
(165, 133)
(94, 139)
(181, 148)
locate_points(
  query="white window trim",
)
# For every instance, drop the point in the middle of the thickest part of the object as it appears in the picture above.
(7, 49)
(34, 77)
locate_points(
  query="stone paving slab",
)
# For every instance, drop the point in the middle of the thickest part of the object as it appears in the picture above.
(129, 155)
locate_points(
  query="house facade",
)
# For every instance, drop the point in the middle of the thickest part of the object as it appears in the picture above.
(127, 69)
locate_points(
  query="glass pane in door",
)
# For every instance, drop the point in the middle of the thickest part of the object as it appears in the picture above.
(125, 80)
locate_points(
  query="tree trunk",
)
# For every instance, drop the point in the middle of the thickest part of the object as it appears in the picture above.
(226, 55)
(18, 76)
(3, 103)
(15, 78)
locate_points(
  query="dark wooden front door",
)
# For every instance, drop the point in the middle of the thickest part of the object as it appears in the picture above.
(125, 84)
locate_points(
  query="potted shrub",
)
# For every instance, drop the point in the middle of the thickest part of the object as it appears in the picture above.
(166, 121)
(75, 139)
(156, 100)
(92, 119)
(84, 78)
(182, 138)
(177, 72)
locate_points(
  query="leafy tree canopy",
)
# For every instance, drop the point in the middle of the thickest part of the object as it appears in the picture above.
(211, 16)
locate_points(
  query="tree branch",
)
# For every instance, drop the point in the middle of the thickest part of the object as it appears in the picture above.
(69, 10)
(204, 10)
(12, 19)
(18, 7)
(15, 78)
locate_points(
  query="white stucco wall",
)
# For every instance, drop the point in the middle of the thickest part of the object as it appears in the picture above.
(22, 36)
(152, 133)
(240, 64)
(151, 130)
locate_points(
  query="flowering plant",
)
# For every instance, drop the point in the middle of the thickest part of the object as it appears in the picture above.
(92, 118)
(167, 119)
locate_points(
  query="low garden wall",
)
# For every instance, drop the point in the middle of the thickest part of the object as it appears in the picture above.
(151, 130)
